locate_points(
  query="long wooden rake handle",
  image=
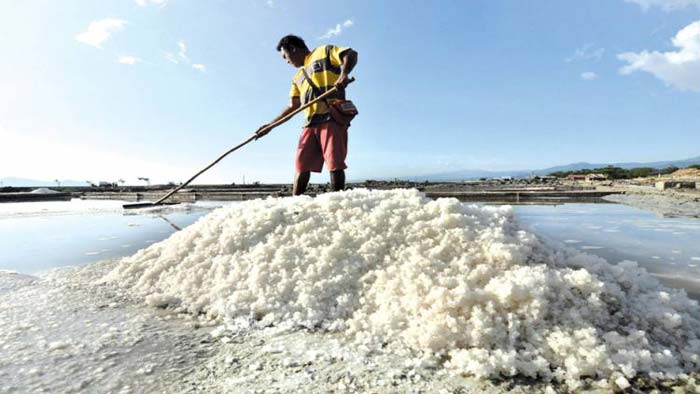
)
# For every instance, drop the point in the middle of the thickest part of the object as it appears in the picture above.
(252, 137)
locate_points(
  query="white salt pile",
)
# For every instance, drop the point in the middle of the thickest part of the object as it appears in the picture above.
(455, 282)
(44, 190)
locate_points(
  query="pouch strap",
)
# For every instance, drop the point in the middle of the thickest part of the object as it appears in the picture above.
(315, 88)
(317, 92)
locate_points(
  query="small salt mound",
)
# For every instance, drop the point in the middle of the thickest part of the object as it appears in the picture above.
(451, 281)
(43, 190)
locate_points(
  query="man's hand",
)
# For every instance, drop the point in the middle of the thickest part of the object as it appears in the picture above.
(342, 82)
(349, 60)
(294, 103)
(261, 131)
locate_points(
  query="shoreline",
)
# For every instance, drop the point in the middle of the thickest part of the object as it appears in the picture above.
(639, 193)
(671, 203)
(494, 191)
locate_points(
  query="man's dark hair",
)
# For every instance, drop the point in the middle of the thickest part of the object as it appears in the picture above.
(291, 41)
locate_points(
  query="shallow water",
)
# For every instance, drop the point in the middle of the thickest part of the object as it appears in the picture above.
(36, 237)
(667, 247)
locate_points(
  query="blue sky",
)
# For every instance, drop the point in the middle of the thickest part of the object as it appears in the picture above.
(159, 88)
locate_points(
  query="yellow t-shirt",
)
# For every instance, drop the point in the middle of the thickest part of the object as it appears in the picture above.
(322, 65)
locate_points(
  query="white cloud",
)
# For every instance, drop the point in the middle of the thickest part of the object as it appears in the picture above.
(666, 5)
(680, 68)
(171, 58)
(130, 60)
(144, 3)
(100, 31)
(589, 76)
(182, 53)
(337, 29)
(183, 57)
(586, 52)
(270, 3)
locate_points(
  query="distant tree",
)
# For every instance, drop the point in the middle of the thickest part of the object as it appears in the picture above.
(642, 172)
(147, 180)
(616, 172)
(669, 170)
(613, 172)
(696, 166)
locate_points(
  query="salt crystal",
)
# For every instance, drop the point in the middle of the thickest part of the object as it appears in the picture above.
(57, 345)
(622, 383)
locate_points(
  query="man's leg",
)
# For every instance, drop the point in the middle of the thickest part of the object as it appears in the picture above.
(334, 144)
(338, 180)
(308, 158)
(301, 181)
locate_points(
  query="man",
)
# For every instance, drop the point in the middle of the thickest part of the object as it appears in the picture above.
(323, 138)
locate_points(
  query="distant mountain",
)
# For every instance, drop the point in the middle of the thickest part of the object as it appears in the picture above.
(476, 174)
(460, 175)
(655, 164)
(23, 182)
(464, 175)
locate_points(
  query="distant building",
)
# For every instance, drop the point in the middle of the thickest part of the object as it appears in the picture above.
(587, 177)
(675, 185)
(596, 177)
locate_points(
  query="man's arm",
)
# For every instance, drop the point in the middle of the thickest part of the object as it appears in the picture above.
(294, 104)
(349, 58)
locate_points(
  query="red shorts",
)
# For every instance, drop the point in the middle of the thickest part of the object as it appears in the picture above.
(321, 142)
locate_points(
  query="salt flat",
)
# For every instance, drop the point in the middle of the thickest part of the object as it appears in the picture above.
(364, 291)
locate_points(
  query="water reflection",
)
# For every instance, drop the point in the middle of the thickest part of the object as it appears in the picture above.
(665, 246)
(36, 238)
(173, 225)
